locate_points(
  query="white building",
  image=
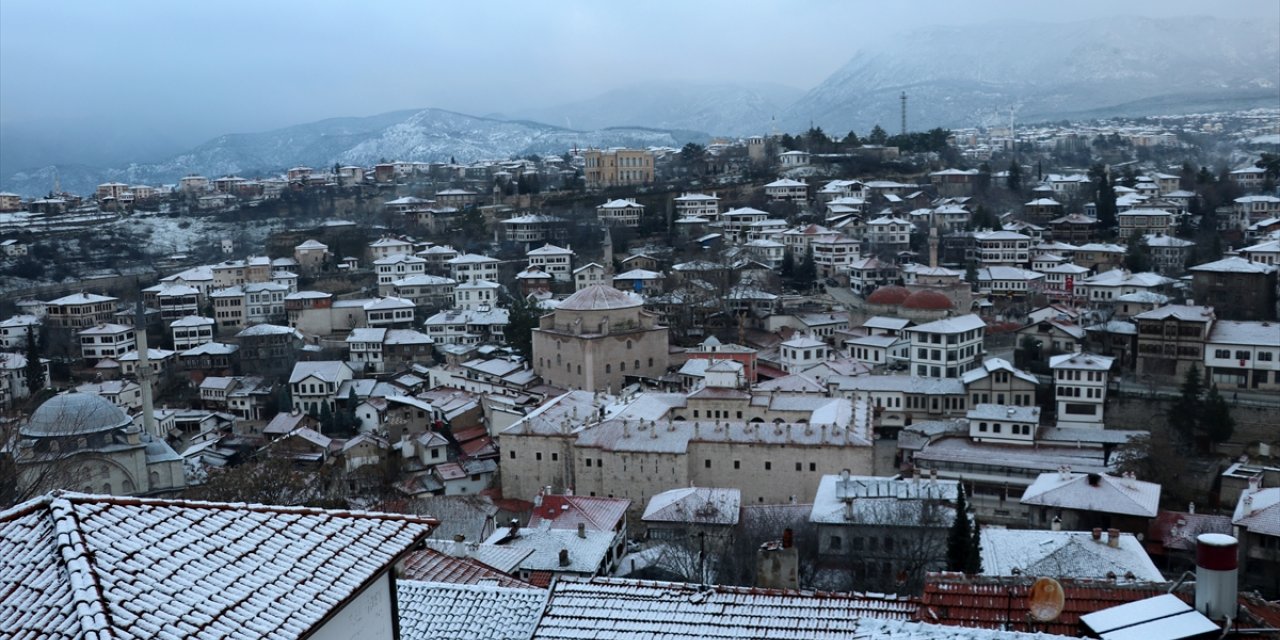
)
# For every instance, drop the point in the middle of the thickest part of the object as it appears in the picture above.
(1080, 388)
(588, 275)
(1003, 423)
(386, 247)
(697, 205)
(946, 348)
(787, 190)
(1243, 355)
(470, 267)
(1002, 247)
(802, 352)
(477, 295)
(312, 385)
(106, 341)
(191, 332)
(557, 261)
(621, 212)
(14, 331)
(398, 267)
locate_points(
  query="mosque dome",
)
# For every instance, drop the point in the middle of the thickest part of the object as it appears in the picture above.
(75, 414)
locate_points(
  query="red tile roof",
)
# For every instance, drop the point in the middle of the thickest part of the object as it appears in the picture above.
(565, 512)
(433, 566)
(1001, 603)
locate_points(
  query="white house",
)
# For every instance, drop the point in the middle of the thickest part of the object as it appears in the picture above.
(398, 267)
(1003, 424)
(697, 205)
(312, 385)
(476, 295)
(106, 341)
(1080, 388)
(946, 348)
(802, 352)
(621, 212)
(1243, 355)
(557, 261)
(787, 190)
(470, 267)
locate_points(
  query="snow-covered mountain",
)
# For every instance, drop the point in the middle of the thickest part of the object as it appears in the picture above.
(421, 136)
(718, 109)
(965, 75)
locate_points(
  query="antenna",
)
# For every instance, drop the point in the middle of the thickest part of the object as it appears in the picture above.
(1046, 600)
(904, 113)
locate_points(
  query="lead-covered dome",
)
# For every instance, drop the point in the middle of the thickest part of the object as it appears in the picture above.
(890, 295)
(75, 414)
(599, 297)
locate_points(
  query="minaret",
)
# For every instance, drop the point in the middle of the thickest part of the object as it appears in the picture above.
(144, 375)
(608, 255)
(933, 242)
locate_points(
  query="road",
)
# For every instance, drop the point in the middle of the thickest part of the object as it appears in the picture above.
(1242, 397)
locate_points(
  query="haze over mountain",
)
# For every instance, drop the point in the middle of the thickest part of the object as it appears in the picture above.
(427, 135)
(720, 109)
(954, 76)
(964, 76)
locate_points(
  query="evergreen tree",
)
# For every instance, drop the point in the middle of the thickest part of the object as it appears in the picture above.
(35, 370)
(1137, 256)
(788, 269)
(975, 550)
(959, 538)
(1217, 421)
(851, 141)
(1185, 414)
(1105, 196)
(326, 418)
(807, 272)
(878, 135)
(522, 318)
(1015, 176)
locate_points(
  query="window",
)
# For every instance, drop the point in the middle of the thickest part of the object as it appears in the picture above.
(768, 466)
(737, 464)
(555, 457)
(588, 462)
(1264, 356)
(537, 456)
(1242, 355)
(706, 464)
(799, 467)
(835, 543)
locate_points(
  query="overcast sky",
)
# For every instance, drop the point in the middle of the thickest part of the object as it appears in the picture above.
(190, 70)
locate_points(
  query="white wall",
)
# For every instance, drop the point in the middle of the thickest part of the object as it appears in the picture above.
(367, 617)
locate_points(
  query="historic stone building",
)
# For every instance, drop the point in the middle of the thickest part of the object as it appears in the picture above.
(773, 447)
(82, 442)
(596, 339)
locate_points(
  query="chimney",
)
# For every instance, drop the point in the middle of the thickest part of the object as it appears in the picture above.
(564, 557)
(459, 546)
(1095, 480)
(1255, 483)
(1216, 575)
(515, 526)
(582, 530)
(1056, 525)
(1113, 538)
(1097, 534)
(1191, 508)
(788, 538)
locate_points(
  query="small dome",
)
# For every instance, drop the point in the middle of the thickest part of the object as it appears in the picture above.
(926, 299)
(890, 295)
(599, 297)
(75, 414)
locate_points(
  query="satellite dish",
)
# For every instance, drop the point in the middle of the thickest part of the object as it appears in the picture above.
(1046, 600)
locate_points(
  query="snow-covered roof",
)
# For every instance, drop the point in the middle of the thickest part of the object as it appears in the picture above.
(886, 501)
(958, 324)
(621, 204)
(327, 371)
(268, 330)
(1259, 511)
(550, 250)
(1094, 492)
(620, 608)
(1084, 361)
(437, 610)
(1261, 334)
(1065, 554)
(191, 321)
(1234, 264)
(1013, 413)
(86, 566)
(105, 329)
(587, 549)
(1185, 313)
(695, 505)
(80, 298)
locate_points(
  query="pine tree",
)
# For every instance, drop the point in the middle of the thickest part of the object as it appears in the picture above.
(807, 273)
(1137, 257)
(326, 418)
(35, 370)
(522, 319)
(1185, 414)
(1015, 177)
(878, 135)
(975, 550)
(960, 537)
(1216, 420)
